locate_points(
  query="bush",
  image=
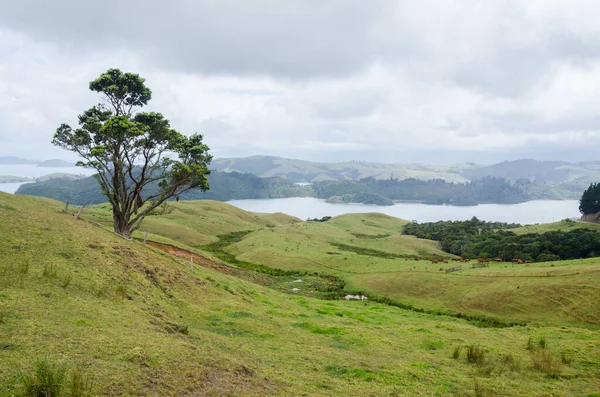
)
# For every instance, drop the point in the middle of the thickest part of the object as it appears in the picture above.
(46, 381)
(547, 258)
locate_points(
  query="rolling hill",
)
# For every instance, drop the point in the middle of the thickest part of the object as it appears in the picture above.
(572, 176)
(139, 321)
(306, 171)
(371, 255)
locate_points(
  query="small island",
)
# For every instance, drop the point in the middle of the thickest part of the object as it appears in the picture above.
(13, 179)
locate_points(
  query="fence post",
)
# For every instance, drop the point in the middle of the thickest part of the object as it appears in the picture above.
(146, 236)
(192, 264)
(80, 209)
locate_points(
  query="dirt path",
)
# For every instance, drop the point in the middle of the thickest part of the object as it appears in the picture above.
(198, 259)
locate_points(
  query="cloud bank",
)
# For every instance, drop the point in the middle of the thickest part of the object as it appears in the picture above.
(393, 81)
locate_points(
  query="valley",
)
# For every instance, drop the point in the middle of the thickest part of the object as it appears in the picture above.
(158, 328)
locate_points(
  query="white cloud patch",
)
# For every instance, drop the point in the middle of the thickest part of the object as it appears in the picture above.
(320, 80)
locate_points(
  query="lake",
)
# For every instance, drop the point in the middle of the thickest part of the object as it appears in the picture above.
(541, 211)
(33, 171)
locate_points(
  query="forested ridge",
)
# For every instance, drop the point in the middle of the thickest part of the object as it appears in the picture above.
(479, 239)
(226, 186)
(488, 190)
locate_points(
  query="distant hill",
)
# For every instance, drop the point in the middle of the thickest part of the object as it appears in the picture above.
(306, 171)
(13, 179)
(541, 171)
(60, 175)
(55, 163)
(224, 187)
(571, 176)
(6, 160)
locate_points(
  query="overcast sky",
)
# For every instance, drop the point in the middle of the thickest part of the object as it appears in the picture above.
(329, 80)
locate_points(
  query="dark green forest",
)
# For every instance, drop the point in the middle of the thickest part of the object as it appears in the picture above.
(478, 239)
(226, 186)
(590, 200)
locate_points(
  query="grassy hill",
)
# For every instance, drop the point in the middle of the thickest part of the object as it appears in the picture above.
(371, 255)
(564, 226)
(139, 322)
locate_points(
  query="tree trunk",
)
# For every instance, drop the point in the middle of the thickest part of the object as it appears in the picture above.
(121, 226)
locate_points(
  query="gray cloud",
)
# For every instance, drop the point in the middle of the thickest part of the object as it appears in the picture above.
(295, 38)
(336, 80)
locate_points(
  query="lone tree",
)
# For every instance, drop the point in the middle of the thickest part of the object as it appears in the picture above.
(590, 200)
(141, 161)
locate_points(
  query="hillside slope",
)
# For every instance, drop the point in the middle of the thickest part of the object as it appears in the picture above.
(569, 175)
(141, 323)
(307, 171)
(370, 253)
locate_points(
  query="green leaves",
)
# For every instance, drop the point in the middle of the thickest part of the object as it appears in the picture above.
(123, 90)
(133, 151)
(590, 200)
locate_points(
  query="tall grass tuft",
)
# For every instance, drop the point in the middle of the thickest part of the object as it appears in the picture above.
(544, 361)
(530, 346)
(456, 352)
(66, 280)
(121, 291)
(475, 355)
(80, 384)
(47, 380)
(49, 270)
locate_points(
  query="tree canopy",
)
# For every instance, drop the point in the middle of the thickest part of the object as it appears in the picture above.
(590, 200)
(132, 150)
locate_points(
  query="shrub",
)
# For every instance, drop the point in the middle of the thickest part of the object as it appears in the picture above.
(547, 258)
(475, 355)
(542, 342)
(47, 379)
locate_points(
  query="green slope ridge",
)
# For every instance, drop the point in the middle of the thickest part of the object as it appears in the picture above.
(140, 322)
(371, 255)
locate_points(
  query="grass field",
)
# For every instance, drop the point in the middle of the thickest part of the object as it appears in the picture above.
(138, 322)
(369, 253)
(564, 226)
